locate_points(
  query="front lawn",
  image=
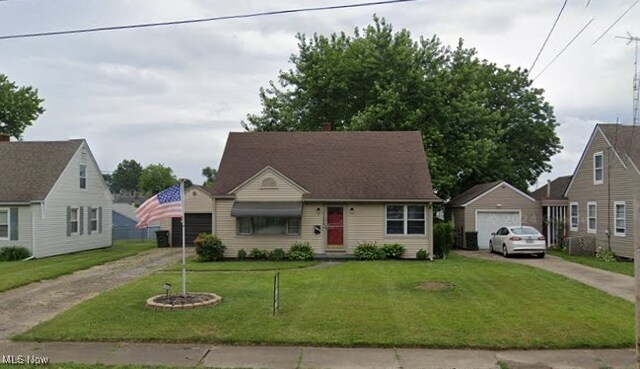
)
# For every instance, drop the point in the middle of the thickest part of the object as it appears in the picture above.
(19, 273)
(236, 265)
(488, 305)
(621, 267)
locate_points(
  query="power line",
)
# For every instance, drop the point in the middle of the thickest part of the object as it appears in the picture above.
(201, 20)
(548, 36)
(616, 21)
(563, 49)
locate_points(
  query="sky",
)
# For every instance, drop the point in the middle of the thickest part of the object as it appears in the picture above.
(171, 95)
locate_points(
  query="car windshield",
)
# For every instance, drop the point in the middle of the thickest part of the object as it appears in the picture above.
(523, 230)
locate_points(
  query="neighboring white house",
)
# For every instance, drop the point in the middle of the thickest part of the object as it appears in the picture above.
(53, 199)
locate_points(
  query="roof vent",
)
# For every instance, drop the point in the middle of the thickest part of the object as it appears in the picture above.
(4, 137)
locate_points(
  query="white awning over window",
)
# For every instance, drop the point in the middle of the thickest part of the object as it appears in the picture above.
(281, 209)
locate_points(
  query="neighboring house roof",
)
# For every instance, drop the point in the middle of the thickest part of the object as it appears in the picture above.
(480, 190)
(332, 165)
(129, 199)
(126, 210)
(558, 187)
(30, 169)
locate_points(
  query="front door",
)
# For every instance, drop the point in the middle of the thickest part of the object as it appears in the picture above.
(335, 226)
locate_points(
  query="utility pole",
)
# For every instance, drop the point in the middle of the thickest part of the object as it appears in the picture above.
(636, 89)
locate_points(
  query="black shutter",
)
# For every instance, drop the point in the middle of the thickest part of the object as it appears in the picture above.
(68, 221)
(80, 220)
(13, 224)
(89, 222)
(100, 219)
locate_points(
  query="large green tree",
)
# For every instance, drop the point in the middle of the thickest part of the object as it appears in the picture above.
(19, 107)
(126, 177)
(210, 174)
(479, 122)
(155, 178)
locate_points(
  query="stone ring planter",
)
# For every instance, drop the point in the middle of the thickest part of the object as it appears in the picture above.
(189, 301)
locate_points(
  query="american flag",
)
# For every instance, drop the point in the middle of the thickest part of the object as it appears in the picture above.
(166, 204)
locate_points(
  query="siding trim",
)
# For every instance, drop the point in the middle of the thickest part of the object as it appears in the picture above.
(494, 188)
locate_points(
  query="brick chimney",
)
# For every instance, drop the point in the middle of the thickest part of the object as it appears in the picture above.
(4, 137)
(548, 188)
(326, 126)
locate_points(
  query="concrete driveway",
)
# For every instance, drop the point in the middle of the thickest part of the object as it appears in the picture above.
(613, 283)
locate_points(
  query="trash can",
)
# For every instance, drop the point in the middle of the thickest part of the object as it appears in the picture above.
(162, 238)
(471, 240)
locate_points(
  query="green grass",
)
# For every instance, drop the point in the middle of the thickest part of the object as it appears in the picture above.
(20, 273)
(621, 267)
(235, 265)
(492, 305)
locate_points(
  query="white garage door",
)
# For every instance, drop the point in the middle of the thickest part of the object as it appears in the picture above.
(488, 222)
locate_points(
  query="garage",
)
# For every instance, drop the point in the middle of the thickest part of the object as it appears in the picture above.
(194, 225)
(488, 222)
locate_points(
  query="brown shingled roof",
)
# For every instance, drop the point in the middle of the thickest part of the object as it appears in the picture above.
(332, 165)
(558, 188)
(28, 170)
(472, 193)
(625, 139)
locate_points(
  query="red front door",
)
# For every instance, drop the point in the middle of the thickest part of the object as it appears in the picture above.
(335, 226)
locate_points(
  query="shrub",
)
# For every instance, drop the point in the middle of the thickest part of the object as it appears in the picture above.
(277, 254)
(422, 254)
(442, 239)
(209, 247)
(393, 250)
(242, 254)
(257, 254)
(369, 251)
(300, 251)
(605, 254)
(14, 253)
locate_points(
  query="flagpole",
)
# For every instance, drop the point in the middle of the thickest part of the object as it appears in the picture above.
(184, 263)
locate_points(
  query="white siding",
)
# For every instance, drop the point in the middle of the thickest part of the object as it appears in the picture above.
(51, 236)
(24, 228)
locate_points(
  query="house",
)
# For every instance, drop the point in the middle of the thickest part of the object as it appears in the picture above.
(198, 216)
(53, 199)
(331, 189)
(554, 204)
(486, 207)
(604, 192)
(124, 221)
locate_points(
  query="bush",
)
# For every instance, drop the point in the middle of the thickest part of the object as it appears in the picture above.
(257, 254)
(442, 239)
(393, 250)
(277, 254)
(605, 254)
(422, 254)
(300, 251)
(369, 251)
(14, 253)
(209, 247)
(242, 254)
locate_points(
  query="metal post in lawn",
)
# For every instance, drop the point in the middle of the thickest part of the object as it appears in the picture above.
(184, 264)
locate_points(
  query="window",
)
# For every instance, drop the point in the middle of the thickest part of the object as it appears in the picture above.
(4, 224)
(592, 217)
(93, 220)
(573, 226)
(268, 226)
(74, 220)
(598, 168)
(405, 219)
(621, 218)
(83, 176)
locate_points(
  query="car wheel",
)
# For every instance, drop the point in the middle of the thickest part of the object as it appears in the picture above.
(491, 247)
(505, 252)
(541, 255)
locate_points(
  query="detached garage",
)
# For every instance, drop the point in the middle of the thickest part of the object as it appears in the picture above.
(486, 207)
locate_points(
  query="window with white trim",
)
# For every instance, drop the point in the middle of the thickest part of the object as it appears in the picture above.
(598, 168)
(74, 220)
(83, 176)
(592, 217)
(620, 208)
(4, 224)
(268, 226)
(573, 226)
(405, 219)
(93, 220)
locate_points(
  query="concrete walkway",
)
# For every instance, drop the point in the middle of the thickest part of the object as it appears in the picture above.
(285, 357)
(613, 283)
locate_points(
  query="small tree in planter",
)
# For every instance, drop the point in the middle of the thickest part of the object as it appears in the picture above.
(209, 247)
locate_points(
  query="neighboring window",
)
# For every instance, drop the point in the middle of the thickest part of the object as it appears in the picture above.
(592, 217)
(621, 218)
(269, 183)
(74, 220)
(83, 176)
(598, 168)
(4, 224)
(405, 219)
(574, 217)
(268, 226)
(93, 220)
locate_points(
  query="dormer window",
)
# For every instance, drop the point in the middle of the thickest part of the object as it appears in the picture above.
(598, 168)
(83, 176)
(269, 183)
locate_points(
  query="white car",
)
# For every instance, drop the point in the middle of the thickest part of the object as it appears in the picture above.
(518, 240)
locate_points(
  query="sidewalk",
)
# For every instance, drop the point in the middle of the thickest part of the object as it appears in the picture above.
(286, 357)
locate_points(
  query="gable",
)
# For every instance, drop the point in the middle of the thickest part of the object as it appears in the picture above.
(503, 194)
(269, 185)
(197, 200)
